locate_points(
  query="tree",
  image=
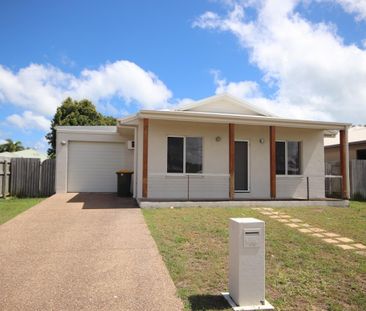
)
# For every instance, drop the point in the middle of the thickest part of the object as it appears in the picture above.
(73, 112)
(11, 146)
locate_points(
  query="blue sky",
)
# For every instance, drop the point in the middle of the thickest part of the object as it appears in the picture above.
(303, 59)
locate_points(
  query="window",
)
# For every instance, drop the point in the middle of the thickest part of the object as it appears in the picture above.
(293, 158)
(193, 155)
(361, 154)
(175, 154)
(288, 158)
(184, 155)
(280, 158)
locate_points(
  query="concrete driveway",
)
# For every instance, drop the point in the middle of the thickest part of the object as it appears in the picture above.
(82, 252)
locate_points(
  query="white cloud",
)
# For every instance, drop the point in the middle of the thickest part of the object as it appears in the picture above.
(28, 120)
(357, 7)
(315, 74)
(67, 61)
(41, 88)
(36, 87)
(180, 103)
(41, 145)
(3, 134)
(243, 89)
(123, 79)
(249, 90)
(108, 109)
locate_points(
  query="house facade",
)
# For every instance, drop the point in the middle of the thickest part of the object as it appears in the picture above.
(219, 148)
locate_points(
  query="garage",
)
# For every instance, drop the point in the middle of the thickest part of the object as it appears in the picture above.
(89, 156)
(92, 166)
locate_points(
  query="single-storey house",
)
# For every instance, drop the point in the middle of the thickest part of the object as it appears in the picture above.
(356, 143)
(218, 148)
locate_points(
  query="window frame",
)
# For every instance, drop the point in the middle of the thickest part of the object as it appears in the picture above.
(286, 157)
(184, 155)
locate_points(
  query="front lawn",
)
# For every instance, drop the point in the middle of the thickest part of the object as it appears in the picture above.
(302, 272)
(350, 222)
(11, 207)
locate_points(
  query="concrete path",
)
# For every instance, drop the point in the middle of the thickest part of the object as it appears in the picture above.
(327, 237)
(82, 252)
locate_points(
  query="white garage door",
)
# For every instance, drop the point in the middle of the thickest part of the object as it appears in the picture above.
(92, 166)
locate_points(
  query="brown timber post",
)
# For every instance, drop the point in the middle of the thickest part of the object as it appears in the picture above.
(272, 148)
(231, 160)
(145, 150)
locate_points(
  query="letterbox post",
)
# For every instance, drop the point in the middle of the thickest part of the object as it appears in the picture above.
(247, 265)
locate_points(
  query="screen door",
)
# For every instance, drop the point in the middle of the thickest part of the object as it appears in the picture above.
(241, 166)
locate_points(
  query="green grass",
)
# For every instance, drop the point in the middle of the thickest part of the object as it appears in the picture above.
(350, 222)
(9, 208)
(302, 272)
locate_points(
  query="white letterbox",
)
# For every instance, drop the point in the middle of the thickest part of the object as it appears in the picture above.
(247, 264)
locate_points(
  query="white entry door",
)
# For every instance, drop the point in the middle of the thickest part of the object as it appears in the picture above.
(92, 166)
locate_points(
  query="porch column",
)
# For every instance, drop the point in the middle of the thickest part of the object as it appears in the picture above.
(272, 152)
(231, 160)
(344, 159)
(145, 150)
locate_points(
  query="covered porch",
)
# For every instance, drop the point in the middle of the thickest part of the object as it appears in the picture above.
(224, 139)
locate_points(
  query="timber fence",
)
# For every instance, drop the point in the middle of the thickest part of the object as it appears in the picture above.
(27, 177)
(4, 178)
(357, 170)
(358, 179)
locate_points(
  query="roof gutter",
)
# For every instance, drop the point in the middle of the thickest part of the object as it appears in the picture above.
(232, 118)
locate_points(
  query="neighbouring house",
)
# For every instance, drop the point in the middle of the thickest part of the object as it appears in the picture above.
(357, 163)
(218, 148)
(26, 153)
(356, 145)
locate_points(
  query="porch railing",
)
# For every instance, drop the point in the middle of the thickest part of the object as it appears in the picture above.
(216, 187)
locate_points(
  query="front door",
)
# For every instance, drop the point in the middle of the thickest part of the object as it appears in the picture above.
(241, 166)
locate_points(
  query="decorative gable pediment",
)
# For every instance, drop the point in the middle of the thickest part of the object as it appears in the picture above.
(224, 103)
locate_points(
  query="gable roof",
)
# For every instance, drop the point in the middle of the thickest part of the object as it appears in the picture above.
(210, 117)
(209, 110)
(224, 103)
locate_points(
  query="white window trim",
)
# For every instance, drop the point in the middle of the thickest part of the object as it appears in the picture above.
(184, 173)
(286, 158)
(249, 167)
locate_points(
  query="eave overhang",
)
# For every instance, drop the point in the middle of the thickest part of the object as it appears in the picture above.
(208, 117)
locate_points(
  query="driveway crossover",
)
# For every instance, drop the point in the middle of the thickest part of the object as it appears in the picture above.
(82, 252)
